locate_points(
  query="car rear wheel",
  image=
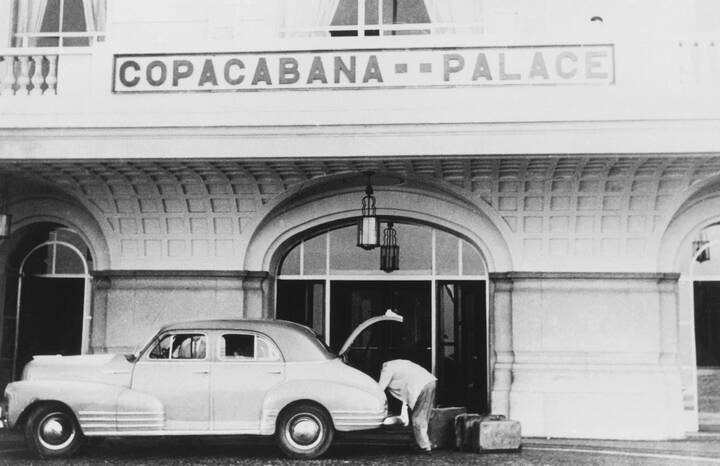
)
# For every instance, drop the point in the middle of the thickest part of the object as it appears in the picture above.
(52, 431)
(305, 431)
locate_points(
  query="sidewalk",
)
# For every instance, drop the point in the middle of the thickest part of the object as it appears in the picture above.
(699, 448)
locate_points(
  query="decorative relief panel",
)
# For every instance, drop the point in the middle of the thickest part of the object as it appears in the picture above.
(567, 213)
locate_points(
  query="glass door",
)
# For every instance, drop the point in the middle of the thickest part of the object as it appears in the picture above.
(462, 345)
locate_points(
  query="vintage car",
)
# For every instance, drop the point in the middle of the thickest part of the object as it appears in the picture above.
(214, 377)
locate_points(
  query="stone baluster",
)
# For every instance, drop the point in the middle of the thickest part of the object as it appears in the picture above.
(23, 79)
(51, 79)
(37, 78)
(8, 81)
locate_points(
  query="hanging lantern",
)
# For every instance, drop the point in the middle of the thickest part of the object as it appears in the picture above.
(700, 244)
(5, 217)
(389, 251)
(5, 222)
(368, 236)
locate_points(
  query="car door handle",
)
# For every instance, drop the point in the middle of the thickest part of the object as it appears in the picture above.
(275, 371)
(202, 371)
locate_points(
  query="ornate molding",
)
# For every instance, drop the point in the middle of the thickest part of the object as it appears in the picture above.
(510, 276)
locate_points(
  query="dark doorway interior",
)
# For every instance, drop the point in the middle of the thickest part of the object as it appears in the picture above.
(50, 318)
(707, 352)
(354, 302)
(462, 352)
(302, 301)
(462, 348)
(707, 324)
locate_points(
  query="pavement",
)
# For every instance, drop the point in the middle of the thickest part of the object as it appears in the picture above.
(698, 449)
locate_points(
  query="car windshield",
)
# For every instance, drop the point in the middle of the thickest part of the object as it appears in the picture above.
(140, 348)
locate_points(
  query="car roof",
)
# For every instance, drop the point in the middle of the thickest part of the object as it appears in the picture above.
(296, 342)
(230, 324)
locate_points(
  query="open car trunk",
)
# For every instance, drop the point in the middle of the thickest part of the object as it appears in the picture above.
(389, 316)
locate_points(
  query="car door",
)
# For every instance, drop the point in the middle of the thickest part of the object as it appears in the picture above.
(248, 365)
(177, 371)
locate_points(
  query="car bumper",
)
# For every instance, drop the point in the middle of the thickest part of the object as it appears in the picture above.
(358, 420)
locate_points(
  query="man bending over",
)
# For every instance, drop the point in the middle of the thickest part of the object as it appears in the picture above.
(415, 387)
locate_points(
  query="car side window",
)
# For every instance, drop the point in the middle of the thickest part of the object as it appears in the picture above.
(238, 346)
(266, 350)
(162, 348)
(188, 346)
(181, 346)
(247, 347)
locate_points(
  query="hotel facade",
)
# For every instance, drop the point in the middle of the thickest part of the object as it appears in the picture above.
(550, 170)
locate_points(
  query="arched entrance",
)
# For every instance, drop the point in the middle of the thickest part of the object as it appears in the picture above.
(47, 297)
(705, 275)
(326, 282)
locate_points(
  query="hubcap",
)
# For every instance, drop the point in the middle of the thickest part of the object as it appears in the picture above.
(56, 431)
(305, 430)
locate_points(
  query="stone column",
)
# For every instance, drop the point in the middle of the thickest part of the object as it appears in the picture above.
(667, 293)
(502, 341)
(98, 311)
(254, 291)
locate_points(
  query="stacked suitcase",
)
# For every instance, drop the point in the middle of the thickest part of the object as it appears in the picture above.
(478, 433)
(455, 428)
(442, 427)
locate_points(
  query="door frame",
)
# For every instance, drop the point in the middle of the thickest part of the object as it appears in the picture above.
(686, 285)
(85, 332)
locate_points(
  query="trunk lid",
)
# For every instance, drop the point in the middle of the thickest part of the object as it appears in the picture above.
(388, 316)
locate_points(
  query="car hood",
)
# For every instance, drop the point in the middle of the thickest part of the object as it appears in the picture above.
(101, 368)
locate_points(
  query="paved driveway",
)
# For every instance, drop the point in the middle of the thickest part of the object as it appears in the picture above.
(192, 451)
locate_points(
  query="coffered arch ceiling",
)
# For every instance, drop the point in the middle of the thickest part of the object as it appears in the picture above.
(199, 213)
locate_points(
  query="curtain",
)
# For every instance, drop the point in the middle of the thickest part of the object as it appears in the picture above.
(95, 12)
(305, 14)
(30, 14)
(465, 12)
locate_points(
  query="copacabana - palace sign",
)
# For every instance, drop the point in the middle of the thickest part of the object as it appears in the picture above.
(360, 69)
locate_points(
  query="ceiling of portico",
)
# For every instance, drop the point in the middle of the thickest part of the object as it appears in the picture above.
(562, 207)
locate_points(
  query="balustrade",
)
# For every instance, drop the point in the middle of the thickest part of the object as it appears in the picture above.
(23, 74)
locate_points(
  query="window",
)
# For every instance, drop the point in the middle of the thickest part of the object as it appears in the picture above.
(318, 18)
(247, 347)
(334, 253)
(180, 346)
(379, 17)
(59, 23)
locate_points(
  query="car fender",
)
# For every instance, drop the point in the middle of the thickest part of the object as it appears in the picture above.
(350, 407)
(98, 407)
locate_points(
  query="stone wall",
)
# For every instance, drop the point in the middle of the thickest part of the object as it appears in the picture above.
(128, 307)
(593, 355)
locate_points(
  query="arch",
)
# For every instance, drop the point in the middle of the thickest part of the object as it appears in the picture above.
(692, 217)
(84, 275)
(316, 208)
(699, 208)
(53, 210)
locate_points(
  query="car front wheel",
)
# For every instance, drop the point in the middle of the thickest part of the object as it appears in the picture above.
(53, 432)
(305, 431)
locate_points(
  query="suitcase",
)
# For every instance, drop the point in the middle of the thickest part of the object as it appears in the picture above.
(464, 425)
(442, 427)
(487, 433)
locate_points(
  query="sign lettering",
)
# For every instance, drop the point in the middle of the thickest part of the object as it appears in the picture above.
(359, 69)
